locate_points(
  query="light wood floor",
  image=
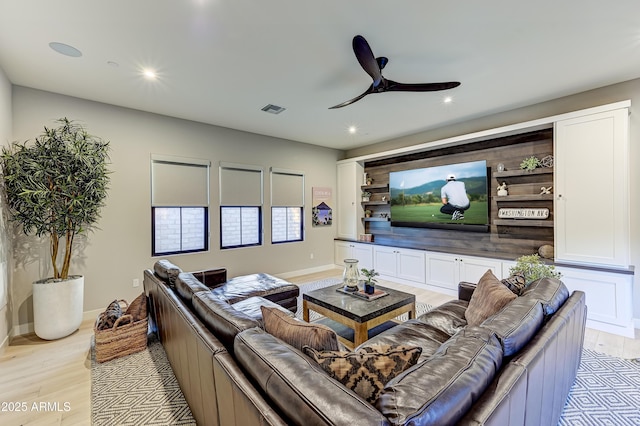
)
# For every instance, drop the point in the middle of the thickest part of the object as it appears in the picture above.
(50, 382)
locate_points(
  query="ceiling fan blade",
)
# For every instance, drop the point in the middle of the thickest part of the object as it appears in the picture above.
(357, 98)
(393, 86)
(366, 59)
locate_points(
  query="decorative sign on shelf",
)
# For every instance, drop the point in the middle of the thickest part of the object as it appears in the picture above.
(523, 213)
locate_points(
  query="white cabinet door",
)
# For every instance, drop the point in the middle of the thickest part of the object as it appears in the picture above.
(347, 250)
(384, 261)
(342, 251)
(447, 270)
(591, 189)
(442, 271)
(473, 268)
(364, 254)
(410, 265)
(608, 298)
(348, 200)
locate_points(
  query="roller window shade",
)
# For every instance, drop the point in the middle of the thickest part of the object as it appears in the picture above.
(240, 185)
(287, 188)
(179, 182)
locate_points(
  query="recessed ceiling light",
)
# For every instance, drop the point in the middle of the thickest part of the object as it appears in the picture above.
(447, 100)
(149, 74)
(353, 130)
(65, 49)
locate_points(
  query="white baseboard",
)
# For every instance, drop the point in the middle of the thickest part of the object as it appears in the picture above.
(290, 274)
(4, 344)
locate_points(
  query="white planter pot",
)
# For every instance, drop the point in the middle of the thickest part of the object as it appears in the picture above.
(57, 307)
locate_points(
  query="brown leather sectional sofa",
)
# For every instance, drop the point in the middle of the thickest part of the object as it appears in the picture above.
(516, 368)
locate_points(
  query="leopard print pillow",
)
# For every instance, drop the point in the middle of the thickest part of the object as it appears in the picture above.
(515, 283)
(367, 370)
(109, 316)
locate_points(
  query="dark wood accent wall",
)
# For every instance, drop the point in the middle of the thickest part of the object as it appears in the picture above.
(502, 240)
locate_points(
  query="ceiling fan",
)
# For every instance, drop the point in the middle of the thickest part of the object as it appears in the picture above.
(374, 66)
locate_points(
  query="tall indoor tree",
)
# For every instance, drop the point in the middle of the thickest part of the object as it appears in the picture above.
(56, 186)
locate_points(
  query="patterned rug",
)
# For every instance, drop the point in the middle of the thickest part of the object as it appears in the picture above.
(606, 392)
(140, 389)
(137, 389)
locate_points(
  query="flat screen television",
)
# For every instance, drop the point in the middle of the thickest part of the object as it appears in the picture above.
(416, 197)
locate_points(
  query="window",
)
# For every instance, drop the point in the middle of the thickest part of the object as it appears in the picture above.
(240, 205)
(287, 205)
(179, 205)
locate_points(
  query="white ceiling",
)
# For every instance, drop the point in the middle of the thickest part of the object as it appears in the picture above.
(220, 62)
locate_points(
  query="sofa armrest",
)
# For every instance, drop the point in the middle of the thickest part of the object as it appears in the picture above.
(465, 290)
(212, 278)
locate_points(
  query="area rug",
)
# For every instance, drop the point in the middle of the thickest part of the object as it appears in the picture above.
(606, 392)
(137, 389)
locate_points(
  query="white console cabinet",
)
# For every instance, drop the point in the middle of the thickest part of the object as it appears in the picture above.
(445, 271)
(401, 264)
(348, 250)
(608, 298)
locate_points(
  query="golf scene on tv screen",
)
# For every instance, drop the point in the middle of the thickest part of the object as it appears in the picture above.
(445, 196)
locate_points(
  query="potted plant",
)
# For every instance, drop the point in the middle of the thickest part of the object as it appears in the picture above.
(370, 281)
(533, 268)
(367, 213)
(55, 187)
(366, 195)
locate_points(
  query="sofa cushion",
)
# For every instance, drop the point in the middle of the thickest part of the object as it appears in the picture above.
(297, 386)
(298, 333)
(187, 285)
(551, 292)
(516, 283)
(252, 308)
(411, 333)
(222, 319)
(264, 285)
(448, 318)
(442, 388)
(489, 297)
(368, 369)
(166, 271)
(516, 324)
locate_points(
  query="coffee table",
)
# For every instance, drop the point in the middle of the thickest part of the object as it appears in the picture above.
(359, 314)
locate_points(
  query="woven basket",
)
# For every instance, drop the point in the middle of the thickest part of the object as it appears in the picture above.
(124, 338)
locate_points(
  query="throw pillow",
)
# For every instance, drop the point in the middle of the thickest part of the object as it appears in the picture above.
(368, 370)
(109, 316)
(298, 333)
(488, 298)
(515, 283)
(138, 308)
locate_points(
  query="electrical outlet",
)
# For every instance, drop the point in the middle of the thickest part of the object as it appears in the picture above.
(136, 282)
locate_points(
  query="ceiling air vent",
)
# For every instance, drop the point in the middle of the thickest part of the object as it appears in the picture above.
(273, 109)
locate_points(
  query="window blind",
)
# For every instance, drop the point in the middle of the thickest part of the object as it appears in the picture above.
(178, 181)
(240, 185)
(287, 188)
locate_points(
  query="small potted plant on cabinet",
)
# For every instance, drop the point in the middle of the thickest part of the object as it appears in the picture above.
(55, 187)
(370, 281)
(366, 196)
(367, 213)
(532, 268)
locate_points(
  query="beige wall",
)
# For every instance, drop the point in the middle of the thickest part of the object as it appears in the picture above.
(5, 245)
(120, 250)
(604, 95)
